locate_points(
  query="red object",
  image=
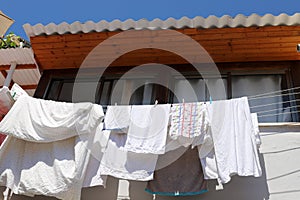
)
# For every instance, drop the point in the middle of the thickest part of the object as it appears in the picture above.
(2, 138)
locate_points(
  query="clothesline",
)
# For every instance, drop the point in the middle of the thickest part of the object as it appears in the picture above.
(281, 113)
(276, 103)
(278, 95)
(277, 109)
(260, 106)
(274, 92)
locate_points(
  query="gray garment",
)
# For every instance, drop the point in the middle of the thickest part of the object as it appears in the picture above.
(183, 177)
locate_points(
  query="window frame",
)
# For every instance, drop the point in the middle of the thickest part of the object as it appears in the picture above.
(228, 70)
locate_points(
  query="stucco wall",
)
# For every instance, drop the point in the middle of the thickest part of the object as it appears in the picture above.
(280, 160)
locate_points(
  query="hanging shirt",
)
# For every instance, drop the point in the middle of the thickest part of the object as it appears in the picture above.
(233, 134)
(48, 148)
(148, 129)
(182, 177)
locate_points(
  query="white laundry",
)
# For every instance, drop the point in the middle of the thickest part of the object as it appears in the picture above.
(189, 120)
(47, 150)
(207, 157)
(234, 141)
(256, 129)
(148, 129)
(6, 101)
(17, 91)
(117, 118)
(93, 176)
(122, 164)
(189, 123)
(46, 121)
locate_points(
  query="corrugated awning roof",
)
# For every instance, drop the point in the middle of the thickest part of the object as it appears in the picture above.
(171, 23)
(22, 56)
(26, 75)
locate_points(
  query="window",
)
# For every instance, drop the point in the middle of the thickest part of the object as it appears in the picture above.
(196, 89)
(267, 92)
(265, 97)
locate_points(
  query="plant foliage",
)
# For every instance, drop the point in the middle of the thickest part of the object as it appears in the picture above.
(13, 41)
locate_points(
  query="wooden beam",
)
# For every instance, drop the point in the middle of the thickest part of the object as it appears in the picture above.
(26, 66)
(29, 87)
(26, 87)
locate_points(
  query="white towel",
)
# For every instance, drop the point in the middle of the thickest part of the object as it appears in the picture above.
(148, 129)
(120, 163)
(234, 141)
(47, 151)
(117, 118)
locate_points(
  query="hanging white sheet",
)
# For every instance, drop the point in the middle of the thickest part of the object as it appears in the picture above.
(47, 151)
(233, 134)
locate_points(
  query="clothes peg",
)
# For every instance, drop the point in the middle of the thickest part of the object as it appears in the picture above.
(210, 100)
(14, 94)
(182, 100)
(156, 102)
(116, 104)
(154, 196)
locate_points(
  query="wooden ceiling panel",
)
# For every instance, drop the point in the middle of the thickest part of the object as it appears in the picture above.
(273, 43)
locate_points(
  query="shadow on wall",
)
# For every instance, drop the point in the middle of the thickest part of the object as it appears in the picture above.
(242, 188)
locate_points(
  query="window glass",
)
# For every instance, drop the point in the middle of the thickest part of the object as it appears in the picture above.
(53, 92)
(193, 90)
(270, 108)
(276, 107)
(105, 93)
(131, 91)
(84, 92)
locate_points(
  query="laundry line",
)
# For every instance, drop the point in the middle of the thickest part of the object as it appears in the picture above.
(281, 113)
(277, 95)
(276, 103)
(274, 92)
(277, 109)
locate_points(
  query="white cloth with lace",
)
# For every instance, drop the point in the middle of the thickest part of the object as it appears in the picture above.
(189, 123)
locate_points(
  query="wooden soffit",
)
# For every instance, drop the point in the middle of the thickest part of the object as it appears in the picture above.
(248, 44)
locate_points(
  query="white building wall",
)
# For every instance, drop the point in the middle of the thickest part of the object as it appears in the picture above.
(280, 160)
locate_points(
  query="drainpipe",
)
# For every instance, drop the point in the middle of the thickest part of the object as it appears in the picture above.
(10, 74)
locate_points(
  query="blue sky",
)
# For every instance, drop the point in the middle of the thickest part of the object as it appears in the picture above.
(57, 11)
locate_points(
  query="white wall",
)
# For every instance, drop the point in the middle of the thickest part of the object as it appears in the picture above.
(280, 160)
